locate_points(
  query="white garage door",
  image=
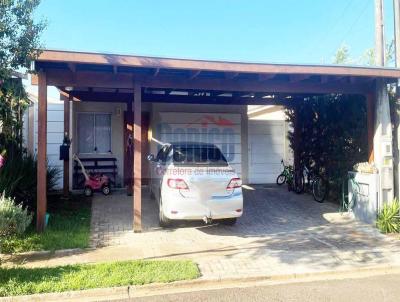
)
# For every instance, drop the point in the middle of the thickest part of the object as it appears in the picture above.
(266, 150)
(221, 129)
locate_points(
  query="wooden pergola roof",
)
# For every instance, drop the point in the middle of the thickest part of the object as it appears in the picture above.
(107, 77)
(111, 77)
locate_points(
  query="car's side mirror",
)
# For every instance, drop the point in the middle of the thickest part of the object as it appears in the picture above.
(151, 157)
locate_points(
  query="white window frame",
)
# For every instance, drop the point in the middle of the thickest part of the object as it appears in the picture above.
(94, 113)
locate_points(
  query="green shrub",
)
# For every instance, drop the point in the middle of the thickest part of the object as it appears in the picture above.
(333, 132)
(388, 219)
(14, 219)
(18, 179)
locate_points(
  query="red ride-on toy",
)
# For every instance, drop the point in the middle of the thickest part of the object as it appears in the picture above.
(98, 182)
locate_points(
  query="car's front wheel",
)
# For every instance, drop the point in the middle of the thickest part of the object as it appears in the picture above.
(163, 221)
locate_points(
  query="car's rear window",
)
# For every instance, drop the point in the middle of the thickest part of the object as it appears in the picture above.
(198, 155)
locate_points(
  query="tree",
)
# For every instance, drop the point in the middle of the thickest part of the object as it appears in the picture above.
(19, 46)
(19, 35)
(342, 55)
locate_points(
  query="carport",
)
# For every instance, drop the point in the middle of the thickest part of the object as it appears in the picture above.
(139, 81)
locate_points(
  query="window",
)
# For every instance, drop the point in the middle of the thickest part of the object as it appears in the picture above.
(94, 133)
(198, 155)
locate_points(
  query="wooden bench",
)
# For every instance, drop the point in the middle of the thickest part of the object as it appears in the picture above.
(95, 165)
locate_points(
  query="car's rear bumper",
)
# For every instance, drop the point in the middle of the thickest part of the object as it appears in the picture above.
(177, 207)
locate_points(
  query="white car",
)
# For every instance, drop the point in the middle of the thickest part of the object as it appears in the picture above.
(193, 181)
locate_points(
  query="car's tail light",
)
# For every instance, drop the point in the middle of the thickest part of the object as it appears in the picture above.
(234, 183)
(177, 183)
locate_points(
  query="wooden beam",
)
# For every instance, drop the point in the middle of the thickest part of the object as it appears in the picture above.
(231, 75)
(324, 79)
(65, 95)
(254, 86)
(137, 159)
(41, 153)
(265, 77)
(67, 104)
(297, 137)
(353, 80)
(72, 67)
(295, 78)
(370, 99)
(221, 66)
(62, 78)
(184, 99)
(194, 74)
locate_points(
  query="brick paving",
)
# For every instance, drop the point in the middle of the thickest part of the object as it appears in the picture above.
(280, 233)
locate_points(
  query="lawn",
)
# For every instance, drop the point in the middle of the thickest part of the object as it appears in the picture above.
(25, 281)
(69, 227)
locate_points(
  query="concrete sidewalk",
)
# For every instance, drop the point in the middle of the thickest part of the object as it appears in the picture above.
(250, 260)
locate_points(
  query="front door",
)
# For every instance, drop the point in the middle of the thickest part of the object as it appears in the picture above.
(128, 150)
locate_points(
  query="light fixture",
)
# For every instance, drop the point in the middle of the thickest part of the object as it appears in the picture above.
(69, 88)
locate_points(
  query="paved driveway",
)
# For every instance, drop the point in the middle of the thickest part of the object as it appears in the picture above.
(279, 233)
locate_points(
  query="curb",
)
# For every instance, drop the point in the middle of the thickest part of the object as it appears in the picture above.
(126, 292)
(64, 252)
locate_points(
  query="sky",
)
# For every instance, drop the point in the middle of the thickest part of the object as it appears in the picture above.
(274, 31)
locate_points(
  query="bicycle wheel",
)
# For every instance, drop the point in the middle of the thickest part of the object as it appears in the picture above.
(289, 185)
(319, 189)
(281, 179)
(298, 182)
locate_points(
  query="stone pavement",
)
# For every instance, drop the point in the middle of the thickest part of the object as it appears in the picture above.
(279, 233)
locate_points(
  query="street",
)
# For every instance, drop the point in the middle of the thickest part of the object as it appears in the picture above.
(377, 288)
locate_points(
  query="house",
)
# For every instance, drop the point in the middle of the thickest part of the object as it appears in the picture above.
(123, 107)
(55, 131)
(261, 170)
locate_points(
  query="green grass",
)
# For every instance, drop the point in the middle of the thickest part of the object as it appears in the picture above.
(25, 281)
(69, 227)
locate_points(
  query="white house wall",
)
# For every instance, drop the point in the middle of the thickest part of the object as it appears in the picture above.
(55, 134)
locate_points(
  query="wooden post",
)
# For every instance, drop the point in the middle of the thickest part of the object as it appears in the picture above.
(67, 135)
(137, 159)
(41, 153)
(370, 126)
(129, 164)
(31, 130)
(297, 137)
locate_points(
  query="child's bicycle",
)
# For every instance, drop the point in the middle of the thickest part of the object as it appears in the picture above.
(294, 181)
(286, 176)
